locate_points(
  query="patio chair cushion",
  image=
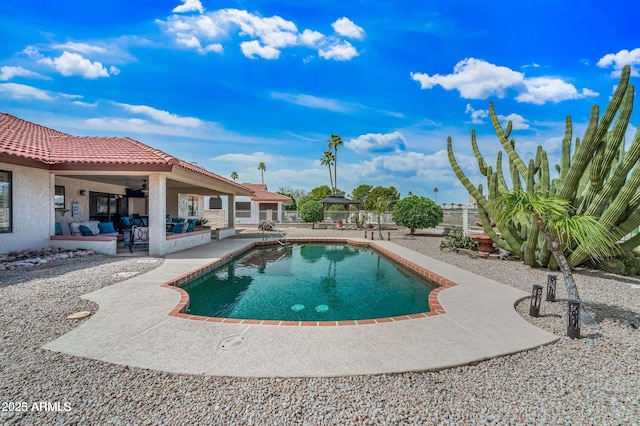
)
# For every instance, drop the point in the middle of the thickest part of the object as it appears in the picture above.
(106, 228)
(177, 219)
(126, 222)
(191, 223)
(178, 228)
(86, 231)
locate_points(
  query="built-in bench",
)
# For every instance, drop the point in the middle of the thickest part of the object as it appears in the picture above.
(101, 244)
(178, 242)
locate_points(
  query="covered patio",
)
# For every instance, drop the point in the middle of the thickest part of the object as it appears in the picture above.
(54, 179)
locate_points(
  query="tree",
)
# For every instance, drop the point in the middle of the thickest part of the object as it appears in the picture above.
(234, 176)
(327, 160)
(435, 191)
(360, 194)
(263, 168)
(417, 212)
(389, 193)
(312, 211)
(316, 194)
(296, 194)
(334, 142)
(555, 218)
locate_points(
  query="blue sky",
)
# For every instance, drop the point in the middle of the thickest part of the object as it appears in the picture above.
(229, 84)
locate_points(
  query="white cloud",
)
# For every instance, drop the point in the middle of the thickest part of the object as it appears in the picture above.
(478, 79)
(161, 116)
(245, 159)
(189, 6)
(69, 64)
(620, 59)
(250, 49)
(22, 91)
(310, 38)
(347, 28)
(542, 89)
(85, 48)
(474, 79)
(477, 115)
(268, 36)
(378, 143)
(342, 51)
(8, 72)
(313, 101)
(518, 122)
(85, 104)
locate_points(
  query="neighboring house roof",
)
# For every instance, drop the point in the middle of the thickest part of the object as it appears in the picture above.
(56, 149)
(261, 195)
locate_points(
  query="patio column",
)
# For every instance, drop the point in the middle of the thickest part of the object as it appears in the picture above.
(231, 209)
(157, 214)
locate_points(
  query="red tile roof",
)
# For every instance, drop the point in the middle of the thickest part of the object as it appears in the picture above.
(260, 194)
(24, 139)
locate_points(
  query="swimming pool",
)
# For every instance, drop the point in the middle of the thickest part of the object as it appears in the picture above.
(309, 282)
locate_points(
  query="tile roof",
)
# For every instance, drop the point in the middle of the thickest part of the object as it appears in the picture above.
(260, 194)
(32, 141)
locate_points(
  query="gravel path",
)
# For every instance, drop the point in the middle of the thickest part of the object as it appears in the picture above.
(594, 380)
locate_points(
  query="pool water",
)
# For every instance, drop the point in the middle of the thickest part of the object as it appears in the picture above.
(309, 282)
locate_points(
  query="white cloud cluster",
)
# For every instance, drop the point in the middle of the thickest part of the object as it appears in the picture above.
(378, 143)
(478, 79)
(189, 6)
(161, 116)
(69, 64)
(347, 28)
(268, 36)
(478, 116)
(620, 59)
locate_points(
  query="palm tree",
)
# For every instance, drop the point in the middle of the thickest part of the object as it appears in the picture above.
(327, 160)
(562, 230)
(263, 168)
(334, 143)
(435, 191)
(379, 208)
(234, 176)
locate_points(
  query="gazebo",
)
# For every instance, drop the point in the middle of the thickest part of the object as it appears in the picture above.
(338, 200)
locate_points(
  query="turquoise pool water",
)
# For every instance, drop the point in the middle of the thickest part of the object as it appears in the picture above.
(309, 282)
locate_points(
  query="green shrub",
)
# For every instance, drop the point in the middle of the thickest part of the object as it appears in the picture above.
(458, 239)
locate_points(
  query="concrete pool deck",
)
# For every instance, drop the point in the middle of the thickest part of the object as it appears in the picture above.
(133, 327)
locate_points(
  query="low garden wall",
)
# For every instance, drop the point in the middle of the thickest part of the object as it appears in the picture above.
(105, 245)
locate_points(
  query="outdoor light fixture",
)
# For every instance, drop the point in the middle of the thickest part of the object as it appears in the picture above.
(573, 327)
(144, 188)
(82, 192)
(551, 288)
(536, 300)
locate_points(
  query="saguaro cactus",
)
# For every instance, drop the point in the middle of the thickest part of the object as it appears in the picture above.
(596, 175)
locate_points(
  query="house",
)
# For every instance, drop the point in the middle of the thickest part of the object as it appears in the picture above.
(49, 179)
(261, 205)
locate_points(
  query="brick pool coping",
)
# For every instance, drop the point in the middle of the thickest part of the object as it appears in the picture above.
(435, 308)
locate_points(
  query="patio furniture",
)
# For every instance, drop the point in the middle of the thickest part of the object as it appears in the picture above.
(139, 237)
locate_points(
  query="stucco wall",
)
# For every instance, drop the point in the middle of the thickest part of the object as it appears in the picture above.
(32, 209)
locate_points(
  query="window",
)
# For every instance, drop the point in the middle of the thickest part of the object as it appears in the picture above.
(58, 198)
(243, 209)
(192, 205)
(215, 203)
(5, 201)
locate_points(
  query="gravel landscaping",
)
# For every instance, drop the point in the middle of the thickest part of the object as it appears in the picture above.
(594, 380)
